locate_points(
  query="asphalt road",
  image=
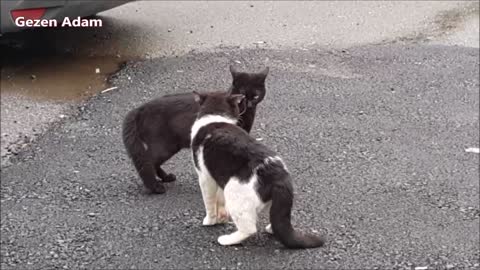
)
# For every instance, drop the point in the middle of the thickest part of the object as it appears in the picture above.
(64, 63)
(374, 136)
(166, 28)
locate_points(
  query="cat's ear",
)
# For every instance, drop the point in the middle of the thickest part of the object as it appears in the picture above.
(237, 98)
(264, 73)
(199, 98)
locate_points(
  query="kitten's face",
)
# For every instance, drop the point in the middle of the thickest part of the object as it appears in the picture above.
(219, 103)
(251, 85)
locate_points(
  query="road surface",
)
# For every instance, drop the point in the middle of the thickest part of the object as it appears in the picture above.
(374, 135)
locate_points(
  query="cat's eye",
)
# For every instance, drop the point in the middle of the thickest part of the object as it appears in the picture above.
(256, 97)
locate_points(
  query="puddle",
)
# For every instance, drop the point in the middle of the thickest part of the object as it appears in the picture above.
(50, 76)
(63, 61)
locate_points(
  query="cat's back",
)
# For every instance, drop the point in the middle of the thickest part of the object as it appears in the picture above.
(228, 151)
(168, 108)
(233, 139)
(170, 103)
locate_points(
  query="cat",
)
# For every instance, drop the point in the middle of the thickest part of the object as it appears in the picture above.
(157, 130)
(251, 177)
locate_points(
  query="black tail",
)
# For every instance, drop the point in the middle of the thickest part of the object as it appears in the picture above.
(280, 218)
(140, 156)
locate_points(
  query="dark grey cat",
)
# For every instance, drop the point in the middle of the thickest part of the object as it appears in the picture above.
(157, 130)
(249, 177)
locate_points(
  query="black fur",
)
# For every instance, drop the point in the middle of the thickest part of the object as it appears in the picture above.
(252, 86)
(229, 151)
(164, 124)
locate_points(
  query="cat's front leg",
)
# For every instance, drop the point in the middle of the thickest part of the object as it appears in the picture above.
(209, 195)
(247, 119)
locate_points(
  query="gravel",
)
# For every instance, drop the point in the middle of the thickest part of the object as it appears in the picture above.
(374, 136)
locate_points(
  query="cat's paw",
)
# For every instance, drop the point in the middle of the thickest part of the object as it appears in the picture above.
(209, 221)
(231, 239)
(169, 178)
(268, 229)
(222, 215)
(225, 240)
(158, 188)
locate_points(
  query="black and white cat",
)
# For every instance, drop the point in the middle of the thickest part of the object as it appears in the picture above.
(157, 130)
(251, 177)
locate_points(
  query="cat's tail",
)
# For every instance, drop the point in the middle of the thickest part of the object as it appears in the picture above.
(138, 152)
(280, 218)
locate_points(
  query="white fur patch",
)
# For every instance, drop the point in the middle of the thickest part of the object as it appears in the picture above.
(244, 205)
(268, 229)
(269, 160)
(209, 187)
(207, 120)
(202, 168)
(243, 193)
(145, 146)
(272, 160)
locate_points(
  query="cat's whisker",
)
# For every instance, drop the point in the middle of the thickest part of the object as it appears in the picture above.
(244, 110)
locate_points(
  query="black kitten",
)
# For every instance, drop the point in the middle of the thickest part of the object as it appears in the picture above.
(248, 175)
(157, 130)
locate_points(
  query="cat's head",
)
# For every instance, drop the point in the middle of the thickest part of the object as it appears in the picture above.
(219, 103)
(251, 85)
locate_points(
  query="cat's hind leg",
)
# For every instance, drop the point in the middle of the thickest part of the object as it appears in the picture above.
(170, 177)
(147, 174)
(268, 228)
(162, 153)
(246, 223)
(242, 204)
(146, 170)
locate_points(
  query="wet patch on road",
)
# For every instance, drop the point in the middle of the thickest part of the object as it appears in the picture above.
(444, 24)
(58, 64)
(49, 75)
(38, 85)
(46, 71)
